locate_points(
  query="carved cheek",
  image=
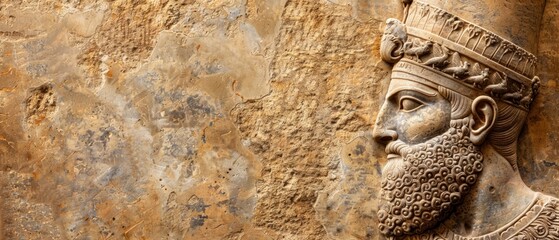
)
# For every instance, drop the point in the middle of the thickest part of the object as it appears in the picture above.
(425, 124)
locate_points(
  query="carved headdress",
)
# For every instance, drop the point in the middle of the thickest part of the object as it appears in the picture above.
(480, 48)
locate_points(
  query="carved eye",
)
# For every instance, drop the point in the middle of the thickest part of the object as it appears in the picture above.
(408, 104)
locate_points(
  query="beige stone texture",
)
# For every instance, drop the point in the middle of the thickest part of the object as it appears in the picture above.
(208, 119)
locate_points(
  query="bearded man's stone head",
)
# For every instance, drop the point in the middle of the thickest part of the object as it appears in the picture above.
(427, 175)
(457, 101)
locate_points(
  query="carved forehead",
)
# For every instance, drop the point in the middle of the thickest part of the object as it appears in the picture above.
(397, 85)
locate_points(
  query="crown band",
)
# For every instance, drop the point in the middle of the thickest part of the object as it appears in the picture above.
(468, 53)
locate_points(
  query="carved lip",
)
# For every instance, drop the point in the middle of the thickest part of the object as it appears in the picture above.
(395, 148)
(393, 156)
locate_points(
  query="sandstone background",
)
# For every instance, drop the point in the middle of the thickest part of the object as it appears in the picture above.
(208, 119)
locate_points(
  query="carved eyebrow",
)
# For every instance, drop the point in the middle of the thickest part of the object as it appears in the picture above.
(405, 88)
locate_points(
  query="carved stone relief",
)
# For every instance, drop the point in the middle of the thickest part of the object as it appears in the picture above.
(458, 98)
(254, 119)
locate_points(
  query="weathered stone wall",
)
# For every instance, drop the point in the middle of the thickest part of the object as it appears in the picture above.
(199, 119)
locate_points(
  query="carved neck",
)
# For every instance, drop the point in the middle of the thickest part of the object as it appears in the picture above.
(501, 186)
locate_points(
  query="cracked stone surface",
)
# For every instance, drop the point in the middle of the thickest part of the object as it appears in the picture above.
(196, 119)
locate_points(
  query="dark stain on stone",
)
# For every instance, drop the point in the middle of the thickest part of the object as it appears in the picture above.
(104, 138)
(222, 203)
(196, 69)
(177, 116)
(106, 135)
(190, 169)
(35, 46)
(198, 106)
(378, 168)
(87, 138)
(214, 69)
(36, 70)
(40, 103)
(176, 95)
(197, 221)
(233, 205)
(196, 204)
(230, 204)
(549, 164)
(359, 150)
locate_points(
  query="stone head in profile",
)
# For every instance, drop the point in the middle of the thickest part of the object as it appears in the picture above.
(463, 80)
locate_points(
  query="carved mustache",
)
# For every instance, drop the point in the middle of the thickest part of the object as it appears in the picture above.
(396, 147)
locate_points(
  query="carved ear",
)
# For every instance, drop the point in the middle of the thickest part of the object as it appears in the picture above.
(484, 112)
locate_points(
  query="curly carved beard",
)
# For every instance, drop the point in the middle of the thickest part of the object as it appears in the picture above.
(431, 178)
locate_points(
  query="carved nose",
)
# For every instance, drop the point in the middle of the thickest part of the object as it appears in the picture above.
(384, 136)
